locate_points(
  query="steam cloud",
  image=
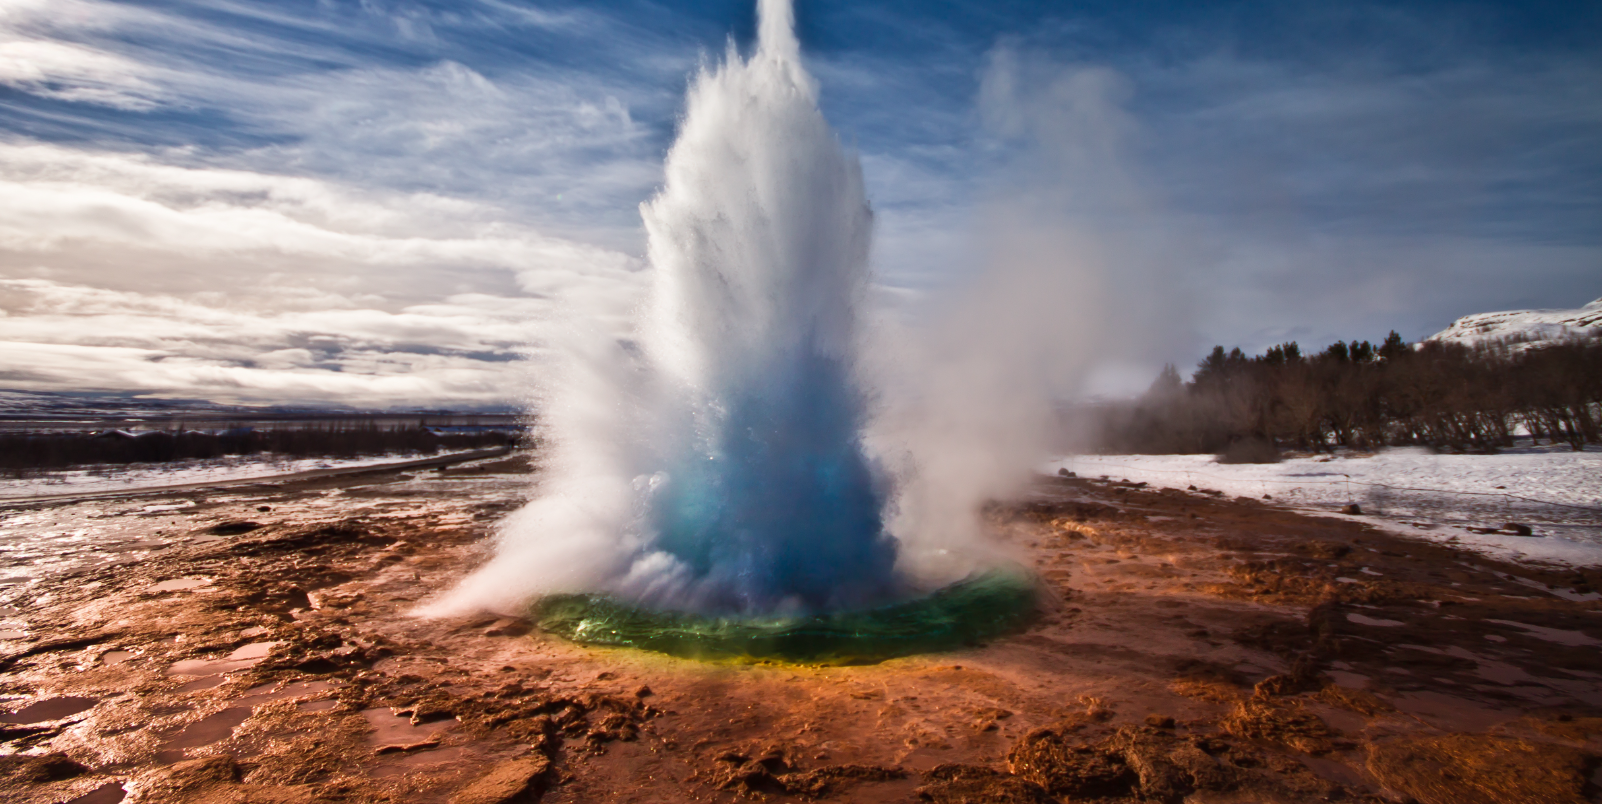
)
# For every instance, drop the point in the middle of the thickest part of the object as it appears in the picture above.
(757, 449)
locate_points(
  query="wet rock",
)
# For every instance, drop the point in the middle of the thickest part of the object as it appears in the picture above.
(213, 728)
(829, 779)
(276, 598)
(1484, 769)
(1145, 763)
(1354, 700)
(108, 793)
(508, 627)
(38, 769)
(214, 780)
(406, 748)
(748, 774)
(538, 731)
(1326, 551)
(334, 599)
(233, 528)
(613, 726)
(1286, 723)
(183, 778)
(771, 773)
(517, 780)
(1288, 684)
(1048, 757)
(26, 734)
(973, 784)
(53, 645)
(1157, 777)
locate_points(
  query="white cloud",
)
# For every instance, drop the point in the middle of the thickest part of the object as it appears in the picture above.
(120, 272)
(53, 199)
(460, 350)
(76, 73)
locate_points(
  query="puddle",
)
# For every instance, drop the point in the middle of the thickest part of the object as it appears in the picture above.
(112, 657)
(178, 585)
(1506, 674)
(128, 547)
(1560, 592)
(1454, 714)
(203, 684)
(1349, 680)
(168, 506)
(391, 729)
(1574, 639)
(209, 729)
(407, 763)
(255, 650)
(108, 793)
(49, 709)
(295, 689)
(241, 658)
(1335, 770)
(208, 667)
(1363, 620)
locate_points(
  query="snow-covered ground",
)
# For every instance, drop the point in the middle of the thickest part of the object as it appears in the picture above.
(1554, 490)
(137, 476)
(1523, 328)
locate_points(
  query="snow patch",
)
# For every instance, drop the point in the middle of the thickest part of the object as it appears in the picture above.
(1523, 329)
(133, 477)
(1462, 500)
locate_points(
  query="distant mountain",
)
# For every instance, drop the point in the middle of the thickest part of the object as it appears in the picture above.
(1523, 329)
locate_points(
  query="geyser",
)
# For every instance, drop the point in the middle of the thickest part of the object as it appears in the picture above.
(760, 238)
(707, 489)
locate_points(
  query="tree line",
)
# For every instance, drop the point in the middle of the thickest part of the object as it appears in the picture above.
(24, 453)
(1355, 394)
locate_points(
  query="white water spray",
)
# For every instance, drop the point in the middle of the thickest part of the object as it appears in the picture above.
(721, 466)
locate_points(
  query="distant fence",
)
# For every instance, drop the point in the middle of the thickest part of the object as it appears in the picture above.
(1399, 502)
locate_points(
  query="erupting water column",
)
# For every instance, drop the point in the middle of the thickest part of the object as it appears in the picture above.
(709, 494)
(760, 238)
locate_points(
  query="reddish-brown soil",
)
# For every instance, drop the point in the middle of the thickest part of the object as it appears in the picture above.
(1189, 649)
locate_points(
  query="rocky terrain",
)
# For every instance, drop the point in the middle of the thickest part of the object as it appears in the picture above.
(255, 644)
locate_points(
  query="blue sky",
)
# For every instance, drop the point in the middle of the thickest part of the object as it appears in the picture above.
(389, 202)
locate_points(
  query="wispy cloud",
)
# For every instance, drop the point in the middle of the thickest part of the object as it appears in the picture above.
(455, 351)
(284, 189)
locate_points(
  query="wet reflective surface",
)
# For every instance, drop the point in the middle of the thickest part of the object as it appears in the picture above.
(50, 709)
(305, 676)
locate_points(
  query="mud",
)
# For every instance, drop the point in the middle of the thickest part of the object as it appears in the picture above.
(1189, 648)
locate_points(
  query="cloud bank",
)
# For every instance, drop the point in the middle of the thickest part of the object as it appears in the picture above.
(1241, 174)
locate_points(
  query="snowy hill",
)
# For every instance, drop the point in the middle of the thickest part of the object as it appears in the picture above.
(1523, 328)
